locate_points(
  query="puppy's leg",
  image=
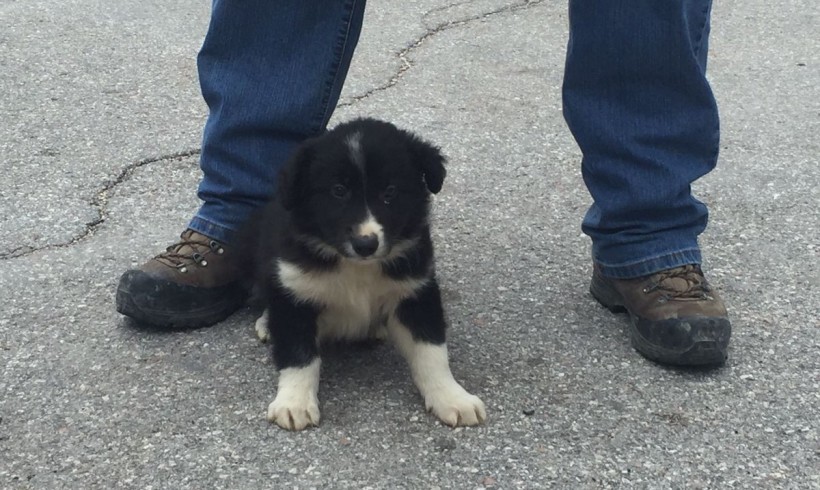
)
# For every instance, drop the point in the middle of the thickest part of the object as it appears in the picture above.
(296, 405)
(292, 329)
(418, 329)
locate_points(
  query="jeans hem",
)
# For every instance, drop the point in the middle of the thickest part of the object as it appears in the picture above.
(211, 230)
(650, 265)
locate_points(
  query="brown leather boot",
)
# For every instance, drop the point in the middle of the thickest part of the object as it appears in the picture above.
(676, 317)
(196, 282)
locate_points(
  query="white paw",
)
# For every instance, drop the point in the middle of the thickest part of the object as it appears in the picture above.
(456, 407)
(261, 325)
(296, 405)
(294, 411)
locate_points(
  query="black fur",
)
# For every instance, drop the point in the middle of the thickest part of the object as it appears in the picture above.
(324, 192)
(423, 314)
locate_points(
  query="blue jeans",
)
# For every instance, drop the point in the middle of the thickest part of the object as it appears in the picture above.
(638, 103)
(271, 72)
(635, 98)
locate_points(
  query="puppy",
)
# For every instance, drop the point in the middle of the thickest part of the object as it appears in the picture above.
(344, 252)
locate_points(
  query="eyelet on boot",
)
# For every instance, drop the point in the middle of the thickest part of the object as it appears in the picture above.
(214, 245)
(199, 259)
(172, 291)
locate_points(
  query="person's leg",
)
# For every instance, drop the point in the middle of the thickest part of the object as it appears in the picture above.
(271, 73)
(638, 103)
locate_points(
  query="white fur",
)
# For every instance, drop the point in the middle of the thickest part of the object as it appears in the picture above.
(354, 146)
(296, 405)
(442, 394)
(370, 226)
(262, 329)
(356, 296)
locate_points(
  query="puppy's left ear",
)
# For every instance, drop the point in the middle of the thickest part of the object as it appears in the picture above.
(430, 160)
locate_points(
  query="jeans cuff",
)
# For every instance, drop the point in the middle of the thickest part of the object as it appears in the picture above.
(211, 230)
(651, 265)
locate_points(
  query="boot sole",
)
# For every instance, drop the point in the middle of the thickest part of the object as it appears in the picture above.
(710, 350)
(211, 306)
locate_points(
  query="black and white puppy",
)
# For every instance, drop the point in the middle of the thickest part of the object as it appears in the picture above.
(344, 252)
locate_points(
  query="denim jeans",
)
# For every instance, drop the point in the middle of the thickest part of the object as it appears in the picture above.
(638, 103)
(635, 98)
(271, 72)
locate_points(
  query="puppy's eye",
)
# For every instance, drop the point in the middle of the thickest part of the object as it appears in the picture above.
(339, 191)
(389, 193)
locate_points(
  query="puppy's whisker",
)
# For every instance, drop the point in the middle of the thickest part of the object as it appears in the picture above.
(318, 247)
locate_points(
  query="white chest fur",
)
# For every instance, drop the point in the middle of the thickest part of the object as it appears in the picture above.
(355, 297)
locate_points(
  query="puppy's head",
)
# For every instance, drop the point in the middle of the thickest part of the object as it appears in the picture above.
(361, 189)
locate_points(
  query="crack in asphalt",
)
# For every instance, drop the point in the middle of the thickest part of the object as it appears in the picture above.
(100, 200)
(432, 31)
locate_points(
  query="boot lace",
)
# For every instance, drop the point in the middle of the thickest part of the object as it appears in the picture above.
(189, 250)
(681, 283)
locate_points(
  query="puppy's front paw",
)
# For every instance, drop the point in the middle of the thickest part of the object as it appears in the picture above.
(454, 406)
(294, 411)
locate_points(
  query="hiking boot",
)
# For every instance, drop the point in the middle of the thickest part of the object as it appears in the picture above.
(194, 283)
(676, 317)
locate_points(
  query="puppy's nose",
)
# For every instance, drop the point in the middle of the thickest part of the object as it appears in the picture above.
(365, 245)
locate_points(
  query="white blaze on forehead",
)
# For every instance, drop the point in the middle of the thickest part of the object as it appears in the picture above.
(354, 145)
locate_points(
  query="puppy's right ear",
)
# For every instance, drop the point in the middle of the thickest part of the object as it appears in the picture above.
(293, 177)
(430, 160)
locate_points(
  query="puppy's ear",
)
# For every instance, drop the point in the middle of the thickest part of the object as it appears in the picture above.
(430, 160)
(293, 177)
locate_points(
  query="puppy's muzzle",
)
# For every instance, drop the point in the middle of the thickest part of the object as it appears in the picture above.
(365, 245)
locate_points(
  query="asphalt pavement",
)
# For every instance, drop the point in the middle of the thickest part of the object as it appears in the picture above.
(100, 126)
